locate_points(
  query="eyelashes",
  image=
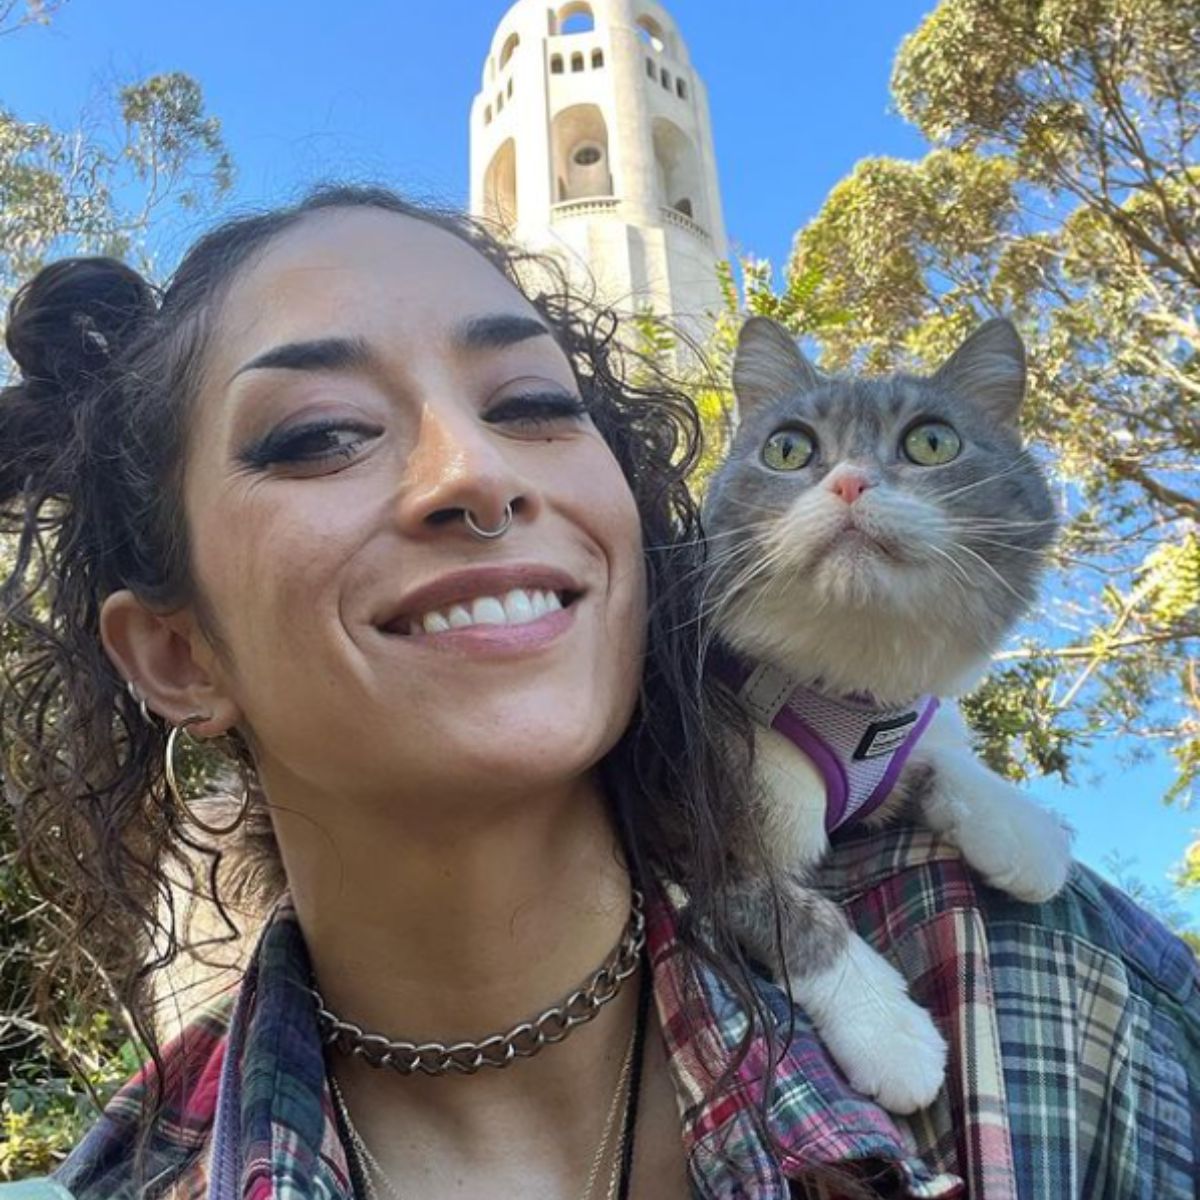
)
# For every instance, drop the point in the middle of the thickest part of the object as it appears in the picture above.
(536, 408)
(317, 441)
(337, 439)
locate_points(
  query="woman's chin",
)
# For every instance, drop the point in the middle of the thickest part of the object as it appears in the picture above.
(515, 752)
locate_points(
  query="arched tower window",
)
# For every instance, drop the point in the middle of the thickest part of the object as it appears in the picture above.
(597, 59)
(556, 64)
(509, 46)
(681, 89)
(678, 169)
(666, 79)
(576, 62)
(576, 18)
(500, 185)
(650, 31)
(487, 115)
(651, 69)
(579, 143)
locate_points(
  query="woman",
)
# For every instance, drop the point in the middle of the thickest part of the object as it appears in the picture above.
(361, 497)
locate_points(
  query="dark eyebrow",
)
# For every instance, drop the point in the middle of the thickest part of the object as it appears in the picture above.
(496, 331)
(321, 354)
(342, 354)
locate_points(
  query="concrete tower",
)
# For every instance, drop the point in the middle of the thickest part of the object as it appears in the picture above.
(591, 137)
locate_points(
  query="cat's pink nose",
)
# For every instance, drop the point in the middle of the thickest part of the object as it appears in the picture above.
(849, 485)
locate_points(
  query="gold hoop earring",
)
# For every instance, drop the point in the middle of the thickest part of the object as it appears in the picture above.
(177, 795)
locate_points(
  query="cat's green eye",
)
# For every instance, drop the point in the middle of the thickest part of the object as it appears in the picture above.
(931, 444)
(788, 450)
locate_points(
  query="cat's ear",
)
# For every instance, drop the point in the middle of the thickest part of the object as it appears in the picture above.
(768, 365)
(988, 370)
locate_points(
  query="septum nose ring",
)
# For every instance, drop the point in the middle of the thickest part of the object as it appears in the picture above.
(489, 534)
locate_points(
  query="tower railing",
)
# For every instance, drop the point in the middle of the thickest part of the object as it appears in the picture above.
(585, 207)
(674, 217)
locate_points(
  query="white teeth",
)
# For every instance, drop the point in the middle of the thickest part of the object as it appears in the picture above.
(434, 622)
(517, 607)
(487, 610)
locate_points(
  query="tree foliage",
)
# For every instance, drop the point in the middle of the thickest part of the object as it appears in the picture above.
(81, 191)
(152, 152)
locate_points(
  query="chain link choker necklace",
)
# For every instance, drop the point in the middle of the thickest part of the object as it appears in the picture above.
(523, 1040)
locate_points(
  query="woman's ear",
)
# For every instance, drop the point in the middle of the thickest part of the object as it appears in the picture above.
(170, 661)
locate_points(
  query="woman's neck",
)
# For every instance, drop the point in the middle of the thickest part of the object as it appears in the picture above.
(443, 933)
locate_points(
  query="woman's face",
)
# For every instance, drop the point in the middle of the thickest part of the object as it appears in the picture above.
(370, 379)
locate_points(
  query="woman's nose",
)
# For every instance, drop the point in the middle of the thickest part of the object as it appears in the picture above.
(460, 466)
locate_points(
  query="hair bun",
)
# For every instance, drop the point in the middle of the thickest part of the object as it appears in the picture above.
(73, 316)
(64, 327)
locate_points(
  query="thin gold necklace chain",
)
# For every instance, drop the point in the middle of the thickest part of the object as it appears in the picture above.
(523, 1040)
(619, 1105)
(620, 1102)
(359, 1147)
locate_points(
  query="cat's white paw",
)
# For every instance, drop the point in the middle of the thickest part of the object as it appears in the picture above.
(1016, 845)
(886, 1044)
(904, 1068)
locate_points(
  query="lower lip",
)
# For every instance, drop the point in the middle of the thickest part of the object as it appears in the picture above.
(495, 640)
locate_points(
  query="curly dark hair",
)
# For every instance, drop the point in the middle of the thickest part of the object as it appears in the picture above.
(93, 439)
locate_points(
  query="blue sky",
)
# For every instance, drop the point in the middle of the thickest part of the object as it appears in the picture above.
(307, 91)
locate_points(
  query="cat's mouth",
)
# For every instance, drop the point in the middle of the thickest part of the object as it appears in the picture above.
(852, 538)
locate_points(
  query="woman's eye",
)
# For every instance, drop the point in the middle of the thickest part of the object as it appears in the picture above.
(543, 408)
(313, 443)
(789, 450)
(931, 444)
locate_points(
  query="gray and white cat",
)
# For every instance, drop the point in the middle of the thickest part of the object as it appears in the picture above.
(871, 542)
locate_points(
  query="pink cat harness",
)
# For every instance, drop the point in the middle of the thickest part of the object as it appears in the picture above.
(858, 746)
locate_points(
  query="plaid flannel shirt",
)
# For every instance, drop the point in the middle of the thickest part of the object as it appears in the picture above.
(1074, 1071)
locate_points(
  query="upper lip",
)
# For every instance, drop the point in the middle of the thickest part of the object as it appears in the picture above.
(472, 582)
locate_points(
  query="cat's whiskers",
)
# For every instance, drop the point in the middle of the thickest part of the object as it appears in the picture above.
(1011, 469)
(960, 578)
(983, 562)
(710, 622)
(709, 538)
(764, 521)
(712, 568)
(734, 590)
(731, 588)
(997, 523)
(715, 565)
(1011, 546)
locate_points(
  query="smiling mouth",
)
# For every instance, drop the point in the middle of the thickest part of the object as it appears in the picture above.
(518, 606)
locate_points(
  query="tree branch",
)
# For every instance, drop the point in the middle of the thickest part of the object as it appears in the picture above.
(1066, 653)
(1182, 505)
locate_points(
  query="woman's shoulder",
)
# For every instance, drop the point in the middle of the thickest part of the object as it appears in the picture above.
(1074, 1024)
(185, 1081)
(901, 880)
(34, 1189)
